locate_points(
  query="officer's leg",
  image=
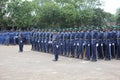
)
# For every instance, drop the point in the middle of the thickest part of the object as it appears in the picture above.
(20, 47)
(110, 56)
(68, 49)
(100, 51)
(64, 48)
(57, 53)
(107, 55)
(78, 50)
(60, 50)
(88, 51)
(113, 50)
(72, 50)
(81, 47)
(45, 47)
(118, 53)
(94, 52)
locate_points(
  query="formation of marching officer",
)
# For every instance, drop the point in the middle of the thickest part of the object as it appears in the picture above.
(84, 44)
(11, 37)
(15, 37)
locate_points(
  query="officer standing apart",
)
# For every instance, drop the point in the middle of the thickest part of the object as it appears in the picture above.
(20, 39)
(55, 46)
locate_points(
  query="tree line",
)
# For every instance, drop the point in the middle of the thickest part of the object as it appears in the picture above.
(53, 14)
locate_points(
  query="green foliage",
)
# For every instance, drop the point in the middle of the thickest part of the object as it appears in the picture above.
(22, 13)
(52, 13)
(2, 12)
(49, 15)
(118, 16)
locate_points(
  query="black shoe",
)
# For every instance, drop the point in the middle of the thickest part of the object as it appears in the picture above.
(20, 51)
(54, 60)
(107, 59)
(94, 60)
(118, 58)
(77, 57)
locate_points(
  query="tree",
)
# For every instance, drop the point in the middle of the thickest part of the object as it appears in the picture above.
(118, 16)
(49, 15)
(2, 13)
(21, 13)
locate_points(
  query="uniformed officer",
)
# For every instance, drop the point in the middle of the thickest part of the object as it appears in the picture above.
(37, 42)
(94, 44)
(64, 43)
(107, 45)
(7, 39)
(61, 42)
(118, 44)
(56, 45)
(32, 39)
(113, 43)
(81, 43)
(50, 49)
(68, 44)
(100, 46)
(87, 38)
(77, 42)
(72, 43)
(46, 41)
(20, 38)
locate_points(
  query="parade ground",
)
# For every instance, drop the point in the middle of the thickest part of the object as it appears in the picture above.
(31, 65)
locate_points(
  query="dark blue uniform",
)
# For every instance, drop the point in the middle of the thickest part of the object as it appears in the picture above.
(113, 43)
(100, 46)
(77, 43)
(20, 39)
(118, 44)
(81, 43)
(107, 48)
(94, 44)
(61, 41)
(72, 43)
(87, 43)
(56, 45)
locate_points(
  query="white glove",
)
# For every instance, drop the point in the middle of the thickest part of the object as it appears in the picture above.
(61, 44)
(21, 41)
(49, 42)
(77, 44)
(97, 45)
(113, 44)
(101, 44)
(45, 41)
(88, 44)
(57, 46)
(109, 44)
(38, 41)
(83, 44)
(74, 44)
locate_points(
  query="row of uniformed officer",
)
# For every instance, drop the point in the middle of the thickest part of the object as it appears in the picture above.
(89, 45)
(11, 37)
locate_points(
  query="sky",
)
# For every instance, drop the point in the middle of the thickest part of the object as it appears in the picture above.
(111, 5)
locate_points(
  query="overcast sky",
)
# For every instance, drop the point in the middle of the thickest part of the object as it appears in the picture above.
(111, 5)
